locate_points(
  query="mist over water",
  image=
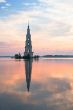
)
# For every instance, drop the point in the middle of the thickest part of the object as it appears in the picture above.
(44, 84)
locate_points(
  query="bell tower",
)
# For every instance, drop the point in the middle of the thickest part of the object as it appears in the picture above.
(28, 44)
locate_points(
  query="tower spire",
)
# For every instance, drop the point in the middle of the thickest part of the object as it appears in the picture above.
(28, 24)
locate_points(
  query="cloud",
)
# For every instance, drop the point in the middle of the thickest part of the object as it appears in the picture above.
(8, 4)
(2, 1)
(59, 29)
(3, 7)
(4, 44)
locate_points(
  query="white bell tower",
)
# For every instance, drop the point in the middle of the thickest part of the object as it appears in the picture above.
(28, 44)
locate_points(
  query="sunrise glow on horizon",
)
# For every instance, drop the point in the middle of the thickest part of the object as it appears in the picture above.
(51, 26)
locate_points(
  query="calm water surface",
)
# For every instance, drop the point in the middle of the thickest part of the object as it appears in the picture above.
(44, 84)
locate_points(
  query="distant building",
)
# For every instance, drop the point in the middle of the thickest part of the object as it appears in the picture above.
(28, 44)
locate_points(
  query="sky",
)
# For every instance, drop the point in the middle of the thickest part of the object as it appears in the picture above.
(51, 25)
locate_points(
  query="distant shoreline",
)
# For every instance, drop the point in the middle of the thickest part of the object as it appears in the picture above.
(5, 56)
(58, 56)
(45, 56)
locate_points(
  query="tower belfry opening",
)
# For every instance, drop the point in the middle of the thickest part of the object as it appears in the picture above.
(28, 44)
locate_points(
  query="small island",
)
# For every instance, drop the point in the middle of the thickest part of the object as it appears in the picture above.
(18, 56)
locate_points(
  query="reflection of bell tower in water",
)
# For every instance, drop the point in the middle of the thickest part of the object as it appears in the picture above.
(28, 44)
(28, 71)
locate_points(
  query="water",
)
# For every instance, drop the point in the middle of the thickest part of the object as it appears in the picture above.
(44, 84)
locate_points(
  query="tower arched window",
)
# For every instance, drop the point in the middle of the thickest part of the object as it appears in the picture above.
(28, 43)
